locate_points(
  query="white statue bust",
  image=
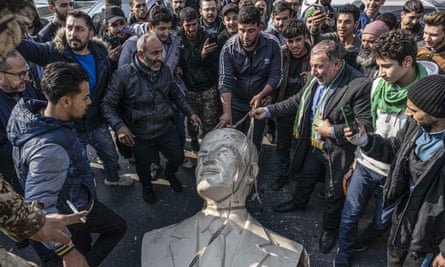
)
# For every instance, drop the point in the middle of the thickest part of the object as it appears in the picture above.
(223, 233)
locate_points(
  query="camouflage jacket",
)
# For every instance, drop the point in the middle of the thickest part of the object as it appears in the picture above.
(18, 221)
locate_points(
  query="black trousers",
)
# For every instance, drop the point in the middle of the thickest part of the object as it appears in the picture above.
(110, 227)
(317, 165)
(146, 151)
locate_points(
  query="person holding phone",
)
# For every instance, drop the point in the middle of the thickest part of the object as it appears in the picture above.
(395, 54)
(321, 149)
(198, 68)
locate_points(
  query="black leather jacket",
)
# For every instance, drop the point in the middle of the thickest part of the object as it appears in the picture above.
(141, 101)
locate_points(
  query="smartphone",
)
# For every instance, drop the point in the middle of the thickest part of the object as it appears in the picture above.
(349, 118)
(213, 37)
(319, 7)
(114, 42)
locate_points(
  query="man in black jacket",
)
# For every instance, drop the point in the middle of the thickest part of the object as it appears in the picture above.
(198, 60)
(138, 106)
(76, 44)
(321, 147)
(415, 185)
(60, 9)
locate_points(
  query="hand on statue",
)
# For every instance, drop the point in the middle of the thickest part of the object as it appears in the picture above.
(224, 120)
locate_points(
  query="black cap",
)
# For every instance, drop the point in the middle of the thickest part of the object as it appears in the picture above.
(230, 7)
(113, 14)
(428, 94)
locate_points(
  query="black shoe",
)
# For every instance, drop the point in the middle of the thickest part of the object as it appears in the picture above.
(175, 184)
(327, 241)
(287, 206)
(280, 182)
(148, 194)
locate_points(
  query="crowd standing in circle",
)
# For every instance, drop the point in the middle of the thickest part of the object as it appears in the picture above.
(165, 72)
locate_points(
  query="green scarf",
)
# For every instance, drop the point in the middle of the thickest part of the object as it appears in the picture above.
(388, 99)
(306, 93)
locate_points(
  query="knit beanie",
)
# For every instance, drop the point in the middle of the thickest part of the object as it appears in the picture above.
(428, 94)
(376, 28)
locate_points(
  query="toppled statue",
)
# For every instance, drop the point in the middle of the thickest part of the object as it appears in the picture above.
(223, 233)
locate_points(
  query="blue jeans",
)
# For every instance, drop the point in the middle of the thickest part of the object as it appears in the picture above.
(100, 139)
(364, 184)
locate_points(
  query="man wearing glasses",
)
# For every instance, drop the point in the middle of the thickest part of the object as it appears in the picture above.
(60, 9)
(13, 86)
(210, 20)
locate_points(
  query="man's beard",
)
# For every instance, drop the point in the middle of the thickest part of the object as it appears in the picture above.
(150, 66)
(365, 59)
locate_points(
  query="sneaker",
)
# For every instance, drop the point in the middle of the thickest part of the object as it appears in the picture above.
(123, 181)
(148, 194)
(175, 184)
(188, 163)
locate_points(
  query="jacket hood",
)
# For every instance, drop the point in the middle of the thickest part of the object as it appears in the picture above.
(60, 40)
(27, 121)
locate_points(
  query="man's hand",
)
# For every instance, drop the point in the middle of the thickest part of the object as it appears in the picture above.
(207, 48)
(114, 53)
(74, 259)
(224, 120)
(324, 129)
(54, 228)
(359, 139)
(318, 18)
(125, 136)
(178, 71)
(195, 120)
(439, 261)
(258, 113)
(255, 102)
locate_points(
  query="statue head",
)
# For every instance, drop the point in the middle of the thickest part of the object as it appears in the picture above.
(227, 167)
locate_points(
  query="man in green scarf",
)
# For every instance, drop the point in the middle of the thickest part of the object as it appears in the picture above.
(321, 149)
(395, 54)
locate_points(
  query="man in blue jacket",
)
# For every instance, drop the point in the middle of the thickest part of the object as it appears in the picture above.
(76, 44)
(53, 166)
(250, 68)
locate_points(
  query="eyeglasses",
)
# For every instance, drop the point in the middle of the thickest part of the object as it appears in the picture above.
(21, 75)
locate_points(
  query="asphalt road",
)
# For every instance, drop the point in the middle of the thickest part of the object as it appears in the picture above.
(301, 226)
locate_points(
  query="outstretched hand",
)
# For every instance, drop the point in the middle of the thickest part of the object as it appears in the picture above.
(54, 228)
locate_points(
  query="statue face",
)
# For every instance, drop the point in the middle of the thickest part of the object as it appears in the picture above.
(219, 164)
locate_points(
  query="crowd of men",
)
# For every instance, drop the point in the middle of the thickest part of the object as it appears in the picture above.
(163, 72)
